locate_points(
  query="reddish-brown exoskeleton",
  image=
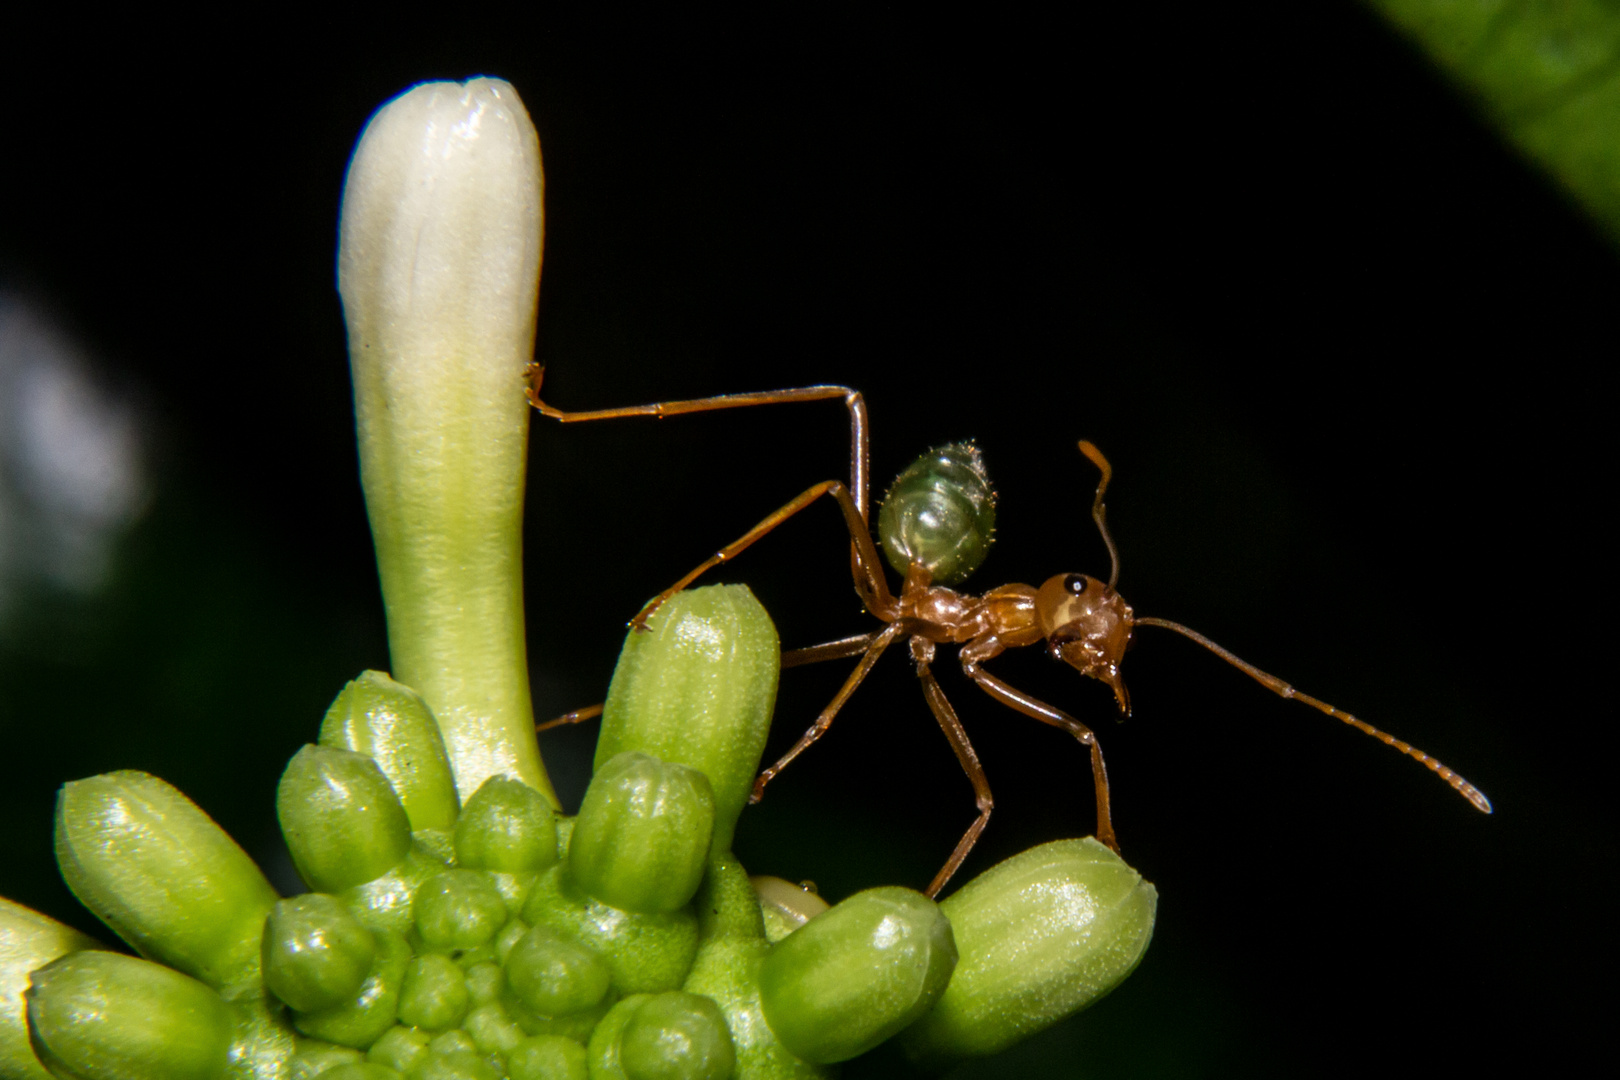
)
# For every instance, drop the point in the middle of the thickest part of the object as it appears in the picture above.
(935, 527)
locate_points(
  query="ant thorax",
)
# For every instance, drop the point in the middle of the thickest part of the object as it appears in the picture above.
(941, 614)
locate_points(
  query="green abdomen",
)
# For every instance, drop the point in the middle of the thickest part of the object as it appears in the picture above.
(940, 512)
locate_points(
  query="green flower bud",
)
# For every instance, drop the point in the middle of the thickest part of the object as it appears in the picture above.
(697, 689)
(391, 724)
(645, 953)
(316, 953)
(434, 993)
(439, 268)
(857, 974)
(437, 844)
(459, 909)
(576, 1026)
(1042, 935)
(315, 1057)
(547, 1057)
(668, 1036)
(28, 941)
(676, 1036)
(786, 906)
(602, 1052)
(454, 1056)
(478, 956)
(726, 971)
(263, 1044)
(456, 1065)
(151, 865)
(362, 1070)
(642, 838)
(451, 1043)
(485, 982)
(362, 1019)
(387, 902)
(343, 822)
(510, 935)
(554, 976)
(492, 1030)
(514, 892)
(400, 1048)
(506, 826)
(99, 1014)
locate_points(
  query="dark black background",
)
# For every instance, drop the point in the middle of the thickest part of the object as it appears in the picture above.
(1336, 338)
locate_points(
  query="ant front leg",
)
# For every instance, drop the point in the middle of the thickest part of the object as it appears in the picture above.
(1040, 710)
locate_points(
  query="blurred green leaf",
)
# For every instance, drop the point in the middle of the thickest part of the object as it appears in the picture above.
(1546, 72)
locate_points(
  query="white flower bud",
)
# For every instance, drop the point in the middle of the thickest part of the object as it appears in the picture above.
(439, 268)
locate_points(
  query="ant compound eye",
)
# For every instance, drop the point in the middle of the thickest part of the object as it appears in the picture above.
(1075, 584)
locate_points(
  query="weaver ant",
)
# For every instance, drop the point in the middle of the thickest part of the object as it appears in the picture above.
(935, 527)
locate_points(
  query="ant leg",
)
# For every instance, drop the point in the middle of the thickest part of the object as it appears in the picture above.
(832, 650)
(815, 654)
(1040, 710)
(863, 564)
(969, 760)
(869, 583)
(880, 641)
(578, 716)
(860, 454)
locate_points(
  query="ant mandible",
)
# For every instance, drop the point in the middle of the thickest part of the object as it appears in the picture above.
(935, 527)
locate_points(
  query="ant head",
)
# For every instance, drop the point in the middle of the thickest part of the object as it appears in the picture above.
(1087, 626)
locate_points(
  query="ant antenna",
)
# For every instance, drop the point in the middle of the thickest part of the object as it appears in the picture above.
(1277, 686)
(1099, 512)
